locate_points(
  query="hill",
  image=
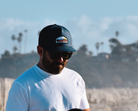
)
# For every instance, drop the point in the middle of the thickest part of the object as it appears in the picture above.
(96, 73)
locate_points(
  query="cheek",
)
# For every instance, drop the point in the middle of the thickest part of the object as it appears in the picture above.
(65, 62)
(46, 56)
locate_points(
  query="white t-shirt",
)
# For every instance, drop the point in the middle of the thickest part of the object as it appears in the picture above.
(37, 90)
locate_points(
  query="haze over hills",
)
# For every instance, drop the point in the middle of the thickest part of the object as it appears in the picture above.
(118, 69)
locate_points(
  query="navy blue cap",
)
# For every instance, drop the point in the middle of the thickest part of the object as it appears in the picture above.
(56, 38)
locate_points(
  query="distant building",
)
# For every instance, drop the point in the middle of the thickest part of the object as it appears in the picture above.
(101, 56)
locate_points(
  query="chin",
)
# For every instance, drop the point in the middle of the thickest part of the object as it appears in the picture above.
(56, 70)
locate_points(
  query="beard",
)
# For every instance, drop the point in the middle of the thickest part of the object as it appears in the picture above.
(51, 67)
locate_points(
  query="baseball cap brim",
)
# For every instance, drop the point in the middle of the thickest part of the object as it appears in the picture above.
(61, 49)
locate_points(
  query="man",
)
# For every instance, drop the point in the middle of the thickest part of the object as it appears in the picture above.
(49, 85)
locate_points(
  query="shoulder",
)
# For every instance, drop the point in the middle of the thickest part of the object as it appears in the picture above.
(26, 75)
(70, 71)
(73, 74)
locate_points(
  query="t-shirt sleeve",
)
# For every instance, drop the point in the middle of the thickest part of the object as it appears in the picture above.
(84, 102)
(17, 99)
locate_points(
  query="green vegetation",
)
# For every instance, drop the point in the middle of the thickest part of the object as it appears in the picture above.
(97, 71)
(117, 69)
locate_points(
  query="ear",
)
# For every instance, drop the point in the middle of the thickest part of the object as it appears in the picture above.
(40, 51)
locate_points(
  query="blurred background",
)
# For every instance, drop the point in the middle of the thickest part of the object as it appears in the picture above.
(104, 33)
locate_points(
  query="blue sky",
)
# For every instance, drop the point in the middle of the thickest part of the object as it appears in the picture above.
(89, 21)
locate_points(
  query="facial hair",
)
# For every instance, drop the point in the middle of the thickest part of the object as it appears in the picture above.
(50, 67)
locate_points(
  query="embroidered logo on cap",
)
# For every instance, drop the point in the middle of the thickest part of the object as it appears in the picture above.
(61, 40)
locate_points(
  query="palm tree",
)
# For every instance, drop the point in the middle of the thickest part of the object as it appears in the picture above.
(19, 39)
(25, 40)
(97, 45)
(13, 38)
(117, 34)
(102, 43)
(15, 49)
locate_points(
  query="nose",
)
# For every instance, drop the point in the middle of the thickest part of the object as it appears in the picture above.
(60, 59)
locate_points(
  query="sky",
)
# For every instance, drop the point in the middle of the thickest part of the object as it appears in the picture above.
(89, 22)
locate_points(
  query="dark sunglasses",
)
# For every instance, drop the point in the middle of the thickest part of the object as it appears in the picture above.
(57, 55)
